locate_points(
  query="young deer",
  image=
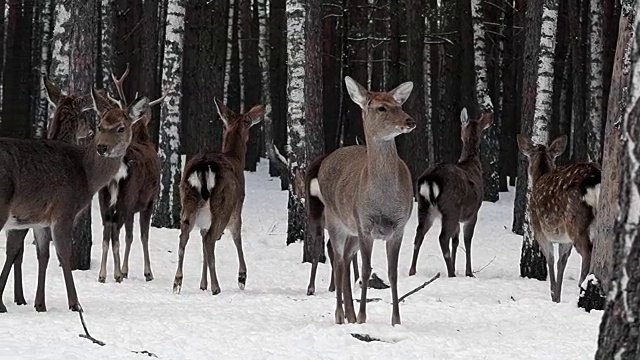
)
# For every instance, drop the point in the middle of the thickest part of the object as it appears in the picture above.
(212, 195)
(71, 122)
(134, 189)
(563, 205)
(364, 193)
(453, 193)
(45, 183)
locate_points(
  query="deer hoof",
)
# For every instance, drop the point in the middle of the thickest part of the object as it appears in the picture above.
(118, 279)
(215, 290)
(40, 307)
(177, 285)
(412, 271)
(3, 309)
(339, 316)
(362, 318)
(395, 321)
(125, 275)
(102, 279)
(332, 287)
(470, 274)
(242, 280)
(147, 276)
(452, 274)
(75, 307)
(20, 301)
(311, 290)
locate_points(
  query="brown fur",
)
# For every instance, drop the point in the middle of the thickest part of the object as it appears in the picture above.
(453, 192)
(563, 205)
(223, 202)
(135, 193)
(365, 193)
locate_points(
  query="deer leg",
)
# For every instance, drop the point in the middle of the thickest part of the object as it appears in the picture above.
(393, 252)
(106, 238)
(468, 230)
(15, 243)
(210, 244)
(339, 278)
(43, 244)
(547, 249)
(564, 250)
(424, 224)
(115, 248)
(185, 228)
(315, 225)
(236, 233)
(6, 269)
(128, 239)
(332, 284)
(455, 241)
(145, 221)
(584, 248)
(205, 268)
(62, 232)
(366, 246)
(351, 249)
(449, 226)
(356, 271)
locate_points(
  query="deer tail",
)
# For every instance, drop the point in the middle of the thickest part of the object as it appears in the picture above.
(430, 190)
(590, 188)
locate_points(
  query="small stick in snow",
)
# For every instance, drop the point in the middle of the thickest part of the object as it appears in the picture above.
(485, 266)
(403, 297)
(367, 338)
(86, 332)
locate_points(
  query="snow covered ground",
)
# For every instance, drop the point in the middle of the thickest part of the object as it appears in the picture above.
(497, 315)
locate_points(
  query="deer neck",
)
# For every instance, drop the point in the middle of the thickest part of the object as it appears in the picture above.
(470, 157)
(99, 170)
(382, 162)
(234, 146)
(539, 168)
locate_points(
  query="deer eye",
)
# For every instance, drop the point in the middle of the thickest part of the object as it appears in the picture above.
(121, 129)
(99, 128)
(382, 109)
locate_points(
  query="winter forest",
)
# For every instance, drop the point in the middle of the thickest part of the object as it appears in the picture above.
(282, 137)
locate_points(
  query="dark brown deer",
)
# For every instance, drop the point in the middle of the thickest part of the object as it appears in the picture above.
(453, 193)
(563, 205)
(47, 183)
(212, 195)
(364, 193)
(133, 190)
(71, 122)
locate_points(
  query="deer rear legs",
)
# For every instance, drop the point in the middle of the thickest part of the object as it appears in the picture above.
(62, 232)
(424, 224)
(15, 252)
(468, 230)
(235, 227)
(43, 246)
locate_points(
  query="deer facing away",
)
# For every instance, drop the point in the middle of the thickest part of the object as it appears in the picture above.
(45, 183)
(212, 195)
(563, 205)
(134, 189)
(453, 193)
(364, 193)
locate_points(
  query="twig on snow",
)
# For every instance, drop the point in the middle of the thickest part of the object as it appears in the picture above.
(86, 334)
(403, 297)
(485, 266)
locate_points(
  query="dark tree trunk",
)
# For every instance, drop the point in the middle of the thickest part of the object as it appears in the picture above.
(205, 53)
(331, 72)
(355, 60)
(620, 330)
(251, 82)
(149, 80)
(435, 61)
(510, 113)
(234, 96)
(562, 86)
(3, 8)
(127, 45)
(579, 35)
(82, 77)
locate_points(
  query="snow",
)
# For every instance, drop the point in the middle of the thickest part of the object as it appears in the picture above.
(497, 315)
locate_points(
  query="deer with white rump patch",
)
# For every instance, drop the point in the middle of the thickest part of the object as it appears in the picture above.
(45, 183)
(212, 195)
(364, 193)
(563, 205)
(134, 189)
(453, 193)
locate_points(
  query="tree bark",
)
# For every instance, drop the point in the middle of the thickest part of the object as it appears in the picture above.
(594, 123)
(251, 82)
(45, 26)
(167, 213)
(620, 330)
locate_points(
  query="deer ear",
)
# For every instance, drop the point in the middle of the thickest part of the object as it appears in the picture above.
(256, 114)
(54, 95)
(402, 92)
(357, 93)
(138, 109)
(486, 120)
(524, 145)
(99, 103)
(464, 116)
(558, 146)
(223, 111)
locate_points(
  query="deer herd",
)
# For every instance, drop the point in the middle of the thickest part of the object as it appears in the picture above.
(356, 193)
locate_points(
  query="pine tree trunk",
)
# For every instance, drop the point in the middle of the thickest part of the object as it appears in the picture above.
(332, 72)
(251, 82)
(167, 213)
(233, 84)
(127, 47)
(579, 43)
(613, 161)
(82, 76)
(620, 330)
(297, 154)
(594, 123)
(532, 262)
(149, 80)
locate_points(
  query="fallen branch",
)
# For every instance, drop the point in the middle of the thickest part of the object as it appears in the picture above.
(86, 335)
(403, 297)
(485, 266)
(367, 338)
(370, 300)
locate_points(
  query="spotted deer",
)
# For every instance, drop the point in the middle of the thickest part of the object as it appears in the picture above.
(453, 193)
(46, 183)
(133, 190)
(364, 193)
(212, 195)
(563, 205)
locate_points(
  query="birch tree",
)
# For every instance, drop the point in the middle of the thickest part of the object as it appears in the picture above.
(42, 104)
(168, 210)
(106, 42)
(62, 30)
(594, 123)
(265, 59)
(620, 330)
(532, 263)
(296, 137)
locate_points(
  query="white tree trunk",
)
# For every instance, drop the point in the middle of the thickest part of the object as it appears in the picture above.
(482, 87)
(265, 56)
(594, 125)
(296, 148)
(60, 61)
(426, 71)
(168, 212)
(42, 106)
(106, 52)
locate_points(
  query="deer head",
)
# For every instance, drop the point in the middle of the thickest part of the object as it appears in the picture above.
(74, 111)
(382, 114)
(471, 130)
(541, 158)
(239, 124)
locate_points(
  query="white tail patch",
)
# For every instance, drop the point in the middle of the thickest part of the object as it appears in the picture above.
(314, 189)
(429, 190)
(122, 174)
(194, 181)
(592, 196)
(211, 180)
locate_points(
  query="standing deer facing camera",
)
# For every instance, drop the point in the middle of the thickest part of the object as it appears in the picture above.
(364, 193)
(563, 205)
(212, 195)
(453, 192)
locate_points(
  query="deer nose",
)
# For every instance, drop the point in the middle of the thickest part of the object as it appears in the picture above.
(102, 149)
(411, 123)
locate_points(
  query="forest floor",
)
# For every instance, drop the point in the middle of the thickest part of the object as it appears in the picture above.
(496, 315)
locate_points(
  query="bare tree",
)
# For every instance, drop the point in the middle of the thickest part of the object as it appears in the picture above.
(594, 123)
